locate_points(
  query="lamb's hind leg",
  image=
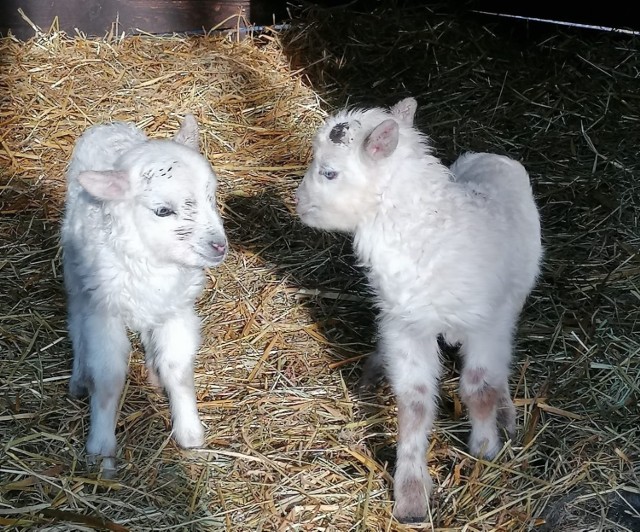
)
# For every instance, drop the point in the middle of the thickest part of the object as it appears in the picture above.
(413, 367)
(484, 388)
(171, 350)
(372, 370)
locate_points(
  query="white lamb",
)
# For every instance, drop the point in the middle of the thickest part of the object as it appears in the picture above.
(447, 252)
(140, 226)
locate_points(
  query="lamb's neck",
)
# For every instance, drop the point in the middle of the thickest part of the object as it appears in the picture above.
(413, 199)
(415, 182)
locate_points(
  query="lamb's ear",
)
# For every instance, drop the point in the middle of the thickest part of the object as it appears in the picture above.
(106, 185)
(188, 133)
(405, 110)
(382, 141)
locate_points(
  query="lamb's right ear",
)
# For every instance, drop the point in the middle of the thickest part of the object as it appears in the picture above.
(405, 110)
(383, 140)
(188, 133)
(106, 185)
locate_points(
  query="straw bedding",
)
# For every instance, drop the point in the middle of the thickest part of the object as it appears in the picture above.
(291, 444)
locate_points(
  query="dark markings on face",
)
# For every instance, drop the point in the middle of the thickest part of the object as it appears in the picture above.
(147, 177)
(166, 172)
(189, 208)
(184, 232)
(337, 134)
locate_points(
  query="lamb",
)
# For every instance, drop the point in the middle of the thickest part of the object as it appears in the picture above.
(449, 253)
(140, 226)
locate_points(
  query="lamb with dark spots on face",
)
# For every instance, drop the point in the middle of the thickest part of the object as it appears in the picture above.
(137, 237)
(451, 252)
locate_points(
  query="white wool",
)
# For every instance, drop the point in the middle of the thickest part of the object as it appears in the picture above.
(447, 252)
(140, 226)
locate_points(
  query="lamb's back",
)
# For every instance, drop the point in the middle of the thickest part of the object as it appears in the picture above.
(446, 248)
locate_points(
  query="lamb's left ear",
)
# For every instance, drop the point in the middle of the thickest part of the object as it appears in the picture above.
(188, 133)
(383, 140)
(405, 110)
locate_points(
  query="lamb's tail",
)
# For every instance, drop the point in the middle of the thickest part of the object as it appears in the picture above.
(491, 168)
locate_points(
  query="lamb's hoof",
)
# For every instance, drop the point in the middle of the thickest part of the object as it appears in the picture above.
(411, 519)
(107, 464)
(485, 448)
(510, 432)
(189, 435)
(411, 496)
(410, 511)
(101, 447)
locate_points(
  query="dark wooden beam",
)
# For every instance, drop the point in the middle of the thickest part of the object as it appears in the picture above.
(96, 17)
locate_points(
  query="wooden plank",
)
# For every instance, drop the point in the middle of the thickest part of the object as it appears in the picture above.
(95, 17)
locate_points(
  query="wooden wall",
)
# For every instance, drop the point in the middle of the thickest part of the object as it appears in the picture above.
(96, 17)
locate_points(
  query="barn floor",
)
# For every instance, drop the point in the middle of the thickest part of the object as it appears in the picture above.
(291, 444)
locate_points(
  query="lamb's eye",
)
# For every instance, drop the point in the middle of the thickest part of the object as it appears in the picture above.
(163, 212)
(329, 174)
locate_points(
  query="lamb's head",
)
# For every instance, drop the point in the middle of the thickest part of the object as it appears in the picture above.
(163, 194)
(351, 153)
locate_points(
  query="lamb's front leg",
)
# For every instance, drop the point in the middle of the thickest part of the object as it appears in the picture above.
(100, 366)
(413, 367)
(171, 350)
